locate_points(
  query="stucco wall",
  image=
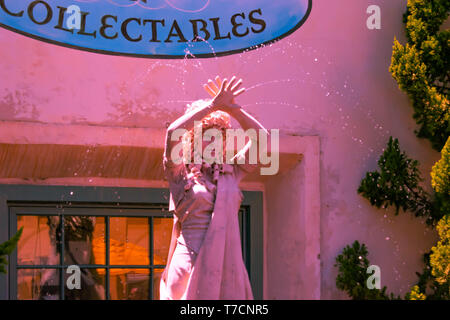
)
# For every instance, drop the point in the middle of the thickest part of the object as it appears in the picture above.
(329, 79)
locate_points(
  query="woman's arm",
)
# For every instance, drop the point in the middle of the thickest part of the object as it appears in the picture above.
(222, 97)
(245, 120)
(186, 122)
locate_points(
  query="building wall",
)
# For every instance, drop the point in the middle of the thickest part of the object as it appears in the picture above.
(329, 79)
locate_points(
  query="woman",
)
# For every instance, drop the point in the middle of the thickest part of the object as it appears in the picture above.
(205, 257)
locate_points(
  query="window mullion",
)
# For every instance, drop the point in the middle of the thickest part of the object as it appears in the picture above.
(151, 271)
(61, 257)
(107, 258)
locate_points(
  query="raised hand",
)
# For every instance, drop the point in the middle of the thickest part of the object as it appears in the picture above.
(224, 92)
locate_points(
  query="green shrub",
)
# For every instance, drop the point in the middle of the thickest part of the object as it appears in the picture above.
(415, 294)
(352, 278)
(397, 184)
(421, 67)
(427, 284)
(440, 256)
(440, 174)
(7, 248)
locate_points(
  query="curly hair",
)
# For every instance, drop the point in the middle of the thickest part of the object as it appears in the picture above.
(218, 120)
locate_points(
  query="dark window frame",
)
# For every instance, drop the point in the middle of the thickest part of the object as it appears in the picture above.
(134, 202)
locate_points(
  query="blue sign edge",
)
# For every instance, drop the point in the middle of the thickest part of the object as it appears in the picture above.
(162, 56)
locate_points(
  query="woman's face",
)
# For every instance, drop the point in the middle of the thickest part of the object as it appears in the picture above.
(208, 142)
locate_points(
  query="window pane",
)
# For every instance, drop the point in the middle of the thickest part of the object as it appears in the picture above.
(84, 240)
(38, 284)
(129, 241)
(156, 279)
(38, 244)
(92, 285)
(129, 284)
(162, 232)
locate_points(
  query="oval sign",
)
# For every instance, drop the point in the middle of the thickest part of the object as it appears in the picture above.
(156, 28)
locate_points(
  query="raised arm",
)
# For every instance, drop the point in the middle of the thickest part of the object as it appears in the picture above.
(222, 98)
(186, 122)
(246, 120)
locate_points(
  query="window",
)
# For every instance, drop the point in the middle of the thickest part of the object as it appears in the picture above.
(120, 252)
(120, 247)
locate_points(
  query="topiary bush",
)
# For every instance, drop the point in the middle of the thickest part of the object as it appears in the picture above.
(352, 278)
(440, 256)
(440, 172)
(421, 67)
(397, 183)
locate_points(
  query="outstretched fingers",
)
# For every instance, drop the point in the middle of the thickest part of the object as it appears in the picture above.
(230, 85)
(239, 92)
(223, 85)
(218, 80)
(237, 85)
(213, 86)
(219, 86)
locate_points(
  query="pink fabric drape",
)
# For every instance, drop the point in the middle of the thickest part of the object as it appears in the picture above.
(219, 272)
